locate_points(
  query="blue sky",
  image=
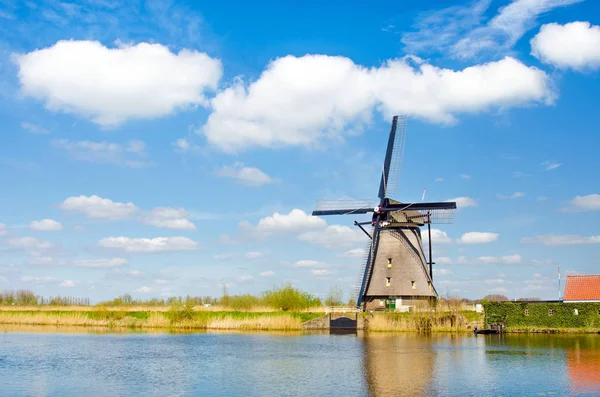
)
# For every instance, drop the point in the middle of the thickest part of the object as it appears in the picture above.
(168, 148)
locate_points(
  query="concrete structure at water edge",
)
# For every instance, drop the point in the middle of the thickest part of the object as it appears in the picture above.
(395, 275)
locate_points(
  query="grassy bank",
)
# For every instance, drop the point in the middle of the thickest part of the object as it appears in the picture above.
(178, 318)
(423, 322)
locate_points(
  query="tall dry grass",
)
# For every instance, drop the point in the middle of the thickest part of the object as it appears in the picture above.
(419, 322)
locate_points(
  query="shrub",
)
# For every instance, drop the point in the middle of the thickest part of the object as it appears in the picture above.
(289, 298)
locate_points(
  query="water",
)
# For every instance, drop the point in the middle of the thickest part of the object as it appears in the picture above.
(221, 364)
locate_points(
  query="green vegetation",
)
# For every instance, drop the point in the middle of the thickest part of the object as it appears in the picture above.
(424, 322)
(544, 317)
(288, 298)
(25, 297)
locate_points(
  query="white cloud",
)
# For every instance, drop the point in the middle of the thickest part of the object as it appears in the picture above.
(230, 255)
(591, 202)
(94, 207)
(250, 176)
(130, 155)
(561, 239)
(67, 283)
(181, 145)
(550, 165)
(478, 238)
(356, 252)
(28, 243)
(268, 273)
(507, 259)
(515, 195)
(437, 237)
(575, 45)
(145, 289)
(465, 176)
(46, 225)
(338, 96)
(150, 245)
(33, 279)
(439, 180)
(170, 218)
(38, 259)
(442, 272)
(245, 278)
(3, 231)
(464, 202)
(334, 236)
(34, 129)
(294, 222)
(112, 85)
(101, 263)
(254, 255)
(462, 31)
(160, 281)
(308, 263)
(320, 272)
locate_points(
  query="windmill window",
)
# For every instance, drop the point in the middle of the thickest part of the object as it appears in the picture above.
(388, 281)
(576, 312)
(381, 302)
(550, 312)
(527, 312)
(413, 285)
(389, 262)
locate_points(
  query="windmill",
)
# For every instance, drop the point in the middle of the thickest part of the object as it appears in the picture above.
(395, 274)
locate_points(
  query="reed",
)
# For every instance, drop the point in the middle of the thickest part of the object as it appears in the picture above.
(418, 322)
(175, 318)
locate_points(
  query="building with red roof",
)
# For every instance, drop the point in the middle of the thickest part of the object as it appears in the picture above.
(582, 288)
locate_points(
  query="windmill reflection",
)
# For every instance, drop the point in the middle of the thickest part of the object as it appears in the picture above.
(398, 365)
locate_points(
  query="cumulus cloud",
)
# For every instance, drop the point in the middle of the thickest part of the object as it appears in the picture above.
(481, 260)
(95, 207)
(34, 128)
(437, 237)
(268, 273)
(561, 239)
(129, 155)
(38, 259)
(112, 85)
(67, 283)
(334, 236)
(170, 218)
(254, 255)
(338, 96)
(46, 225)
(464, 202)
(320, 272)
(478, 238)
(308, 263)
(575, 45)
(294, 222)
(28, 243)
(149, 245)
(144, 289)
(250, 176)
(591, 202)
(101, 263)
(465, 176)
(515, 195)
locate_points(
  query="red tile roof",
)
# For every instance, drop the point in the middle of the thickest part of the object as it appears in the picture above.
(582, 288)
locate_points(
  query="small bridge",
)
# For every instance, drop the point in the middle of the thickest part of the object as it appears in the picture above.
(342, 318)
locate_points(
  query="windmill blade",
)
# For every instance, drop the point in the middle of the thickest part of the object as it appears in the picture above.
(390, 178)
(342, 207)
(443, 205)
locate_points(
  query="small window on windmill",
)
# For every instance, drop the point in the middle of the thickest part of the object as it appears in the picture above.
(381, 302)
(413, 285)
(527, 312)
(388, 281)
(576, 312)
(389, 263)
(550, 312)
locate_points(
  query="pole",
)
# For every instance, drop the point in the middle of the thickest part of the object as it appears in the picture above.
(429, 233)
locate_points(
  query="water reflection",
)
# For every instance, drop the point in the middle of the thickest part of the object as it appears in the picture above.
(75, 361)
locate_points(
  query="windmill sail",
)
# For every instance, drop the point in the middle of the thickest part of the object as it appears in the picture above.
(390, 178)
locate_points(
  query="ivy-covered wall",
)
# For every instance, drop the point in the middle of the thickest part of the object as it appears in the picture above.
(527, 314)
